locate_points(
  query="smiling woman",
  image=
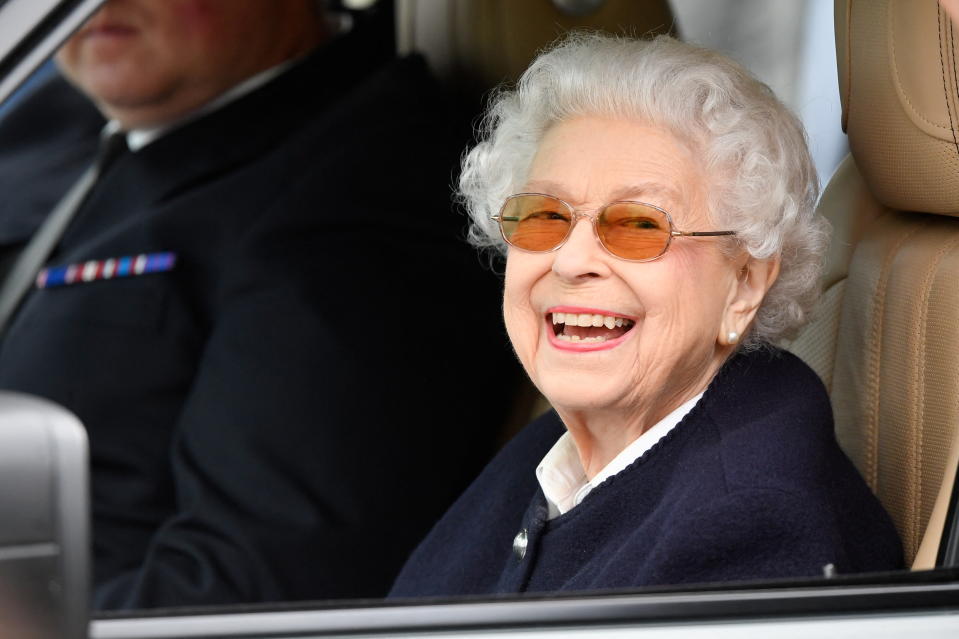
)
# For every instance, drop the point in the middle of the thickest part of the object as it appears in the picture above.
(683, 308)
(656, 205)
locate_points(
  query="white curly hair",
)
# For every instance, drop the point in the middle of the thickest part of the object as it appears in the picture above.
(761, 179)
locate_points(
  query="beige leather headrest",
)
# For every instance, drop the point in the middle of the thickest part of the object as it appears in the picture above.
(476, 44)
(898, 84)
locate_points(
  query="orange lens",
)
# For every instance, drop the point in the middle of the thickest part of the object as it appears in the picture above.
(535, 222)
(634, 231)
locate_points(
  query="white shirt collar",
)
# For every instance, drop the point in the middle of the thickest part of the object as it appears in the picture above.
(561, 474)
(139, 138)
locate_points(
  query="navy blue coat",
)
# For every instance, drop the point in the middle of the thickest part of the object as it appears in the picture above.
(256, 414)
(750, 485)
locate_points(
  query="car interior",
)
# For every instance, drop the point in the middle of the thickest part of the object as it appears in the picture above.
(885, 340)
(44, 539)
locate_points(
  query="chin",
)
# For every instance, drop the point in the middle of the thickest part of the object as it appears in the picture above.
(569, 392)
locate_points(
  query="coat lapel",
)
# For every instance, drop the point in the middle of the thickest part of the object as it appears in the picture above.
(219, 142)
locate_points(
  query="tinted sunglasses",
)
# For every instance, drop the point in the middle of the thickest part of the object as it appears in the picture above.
(633, 231)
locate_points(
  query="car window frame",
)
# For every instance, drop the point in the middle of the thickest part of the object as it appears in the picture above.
(30, 33)
(865, 596)
(892, 594)
(933, 592)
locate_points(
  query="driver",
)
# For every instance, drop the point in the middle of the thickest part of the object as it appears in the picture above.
(258, 309)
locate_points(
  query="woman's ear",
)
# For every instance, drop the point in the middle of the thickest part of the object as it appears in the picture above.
(754, 279)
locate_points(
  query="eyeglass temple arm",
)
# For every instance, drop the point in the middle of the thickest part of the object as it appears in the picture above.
(701, 233)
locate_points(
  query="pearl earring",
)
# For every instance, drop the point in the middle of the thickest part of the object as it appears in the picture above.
(732, 337)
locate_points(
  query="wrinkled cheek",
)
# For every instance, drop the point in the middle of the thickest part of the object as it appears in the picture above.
(521, 325)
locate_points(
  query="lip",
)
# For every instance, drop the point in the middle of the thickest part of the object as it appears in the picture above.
(579, 347)
(108, 31)
(104, 25)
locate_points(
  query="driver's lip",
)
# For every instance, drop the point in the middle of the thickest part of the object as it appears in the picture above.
(107, 27)
(580, 347)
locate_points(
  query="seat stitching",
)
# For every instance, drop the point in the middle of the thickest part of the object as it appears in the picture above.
(955, 79)
(901, 91)
(917, 465)
(942, 66)
(872, 421)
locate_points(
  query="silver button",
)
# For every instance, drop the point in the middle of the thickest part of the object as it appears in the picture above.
(519, 544)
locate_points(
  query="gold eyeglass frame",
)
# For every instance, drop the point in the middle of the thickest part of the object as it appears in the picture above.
(575, 214)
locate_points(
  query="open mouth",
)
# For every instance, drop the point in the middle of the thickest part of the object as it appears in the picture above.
(588, 327)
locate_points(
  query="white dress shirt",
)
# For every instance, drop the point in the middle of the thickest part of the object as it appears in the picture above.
(561, 474)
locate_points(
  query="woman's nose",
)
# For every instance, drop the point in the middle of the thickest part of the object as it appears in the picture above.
(581, 256)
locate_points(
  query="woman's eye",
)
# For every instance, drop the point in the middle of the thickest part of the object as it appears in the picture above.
(545, 215)
(643, 223)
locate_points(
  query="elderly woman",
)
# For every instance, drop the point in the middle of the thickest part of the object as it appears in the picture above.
(656, 203)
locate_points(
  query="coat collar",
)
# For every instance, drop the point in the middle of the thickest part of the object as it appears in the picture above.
(239, 132)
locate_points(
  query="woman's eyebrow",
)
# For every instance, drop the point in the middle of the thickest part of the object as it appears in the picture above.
(547, 187)
(650, 192)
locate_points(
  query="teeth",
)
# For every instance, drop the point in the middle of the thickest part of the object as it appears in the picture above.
(590, 319)
(577, 338)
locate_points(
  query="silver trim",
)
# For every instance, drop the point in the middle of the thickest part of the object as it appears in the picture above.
(430, 617)
(19, 19)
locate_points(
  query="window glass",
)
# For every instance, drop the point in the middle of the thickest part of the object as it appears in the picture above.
(787, 44)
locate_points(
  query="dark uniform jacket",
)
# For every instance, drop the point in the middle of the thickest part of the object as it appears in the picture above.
(749, 485)
(270, 420)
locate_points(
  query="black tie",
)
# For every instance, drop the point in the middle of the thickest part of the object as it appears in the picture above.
(36, 252)
(111, 148)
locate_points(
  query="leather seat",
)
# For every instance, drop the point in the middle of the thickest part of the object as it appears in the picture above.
(886, 341)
